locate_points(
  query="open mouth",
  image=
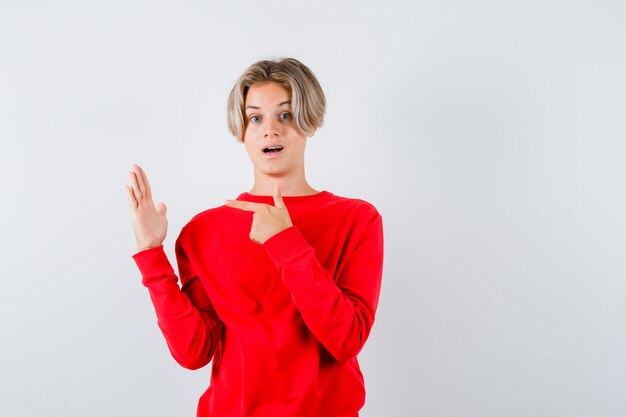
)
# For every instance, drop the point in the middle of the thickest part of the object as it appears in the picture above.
(272, 149)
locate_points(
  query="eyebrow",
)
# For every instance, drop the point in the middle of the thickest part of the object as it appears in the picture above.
(280, 104)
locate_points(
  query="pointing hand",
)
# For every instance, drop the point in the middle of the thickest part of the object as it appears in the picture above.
(267, 220)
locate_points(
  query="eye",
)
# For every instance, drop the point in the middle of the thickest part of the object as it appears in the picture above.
(285, 116)
(254, 118)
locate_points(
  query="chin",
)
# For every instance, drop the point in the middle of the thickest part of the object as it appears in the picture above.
(268, 169)
(273, 172)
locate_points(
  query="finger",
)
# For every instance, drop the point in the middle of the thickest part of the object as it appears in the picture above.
(144, 178)
(162, 209)
(278, 197)
(135, 186)
(142, 185)
(244, 205)
(131, 198)
(253, 239)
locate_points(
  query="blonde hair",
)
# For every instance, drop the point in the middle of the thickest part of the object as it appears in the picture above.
(307, 98)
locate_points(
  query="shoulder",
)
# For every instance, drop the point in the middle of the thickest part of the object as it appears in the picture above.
(356, 206)
(208, 217)
(360, 220)
(355, 214)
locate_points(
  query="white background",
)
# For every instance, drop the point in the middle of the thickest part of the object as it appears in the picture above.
(489, 134)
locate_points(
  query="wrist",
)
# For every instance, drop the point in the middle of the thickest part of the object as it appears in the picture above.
(146, 246)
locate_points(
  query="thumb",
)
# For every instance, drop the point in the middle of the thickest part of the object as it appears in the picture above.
(162, 209)
(278, 197)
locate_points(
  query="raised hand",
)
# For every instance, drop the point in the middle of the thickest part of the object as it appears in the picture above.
(267, 220)
(149, 222)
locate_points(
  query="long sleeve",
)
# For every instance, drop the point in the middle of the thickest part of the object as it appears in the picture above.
(338, 310)
(185, 315)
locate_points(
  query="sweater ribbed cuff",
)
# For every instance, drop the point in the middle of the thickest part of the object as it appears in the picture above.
(154, 265)
(286, 245)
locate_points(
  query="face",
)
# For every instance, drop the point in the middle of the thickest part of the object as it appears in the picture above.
(273, 144)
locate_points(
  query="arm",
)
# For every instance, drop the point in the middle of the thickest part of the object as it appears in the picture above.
(185, 316)
(339, 313)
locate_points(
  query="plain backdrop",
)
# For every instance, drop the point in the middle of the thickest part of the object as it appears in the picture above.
(490, 135)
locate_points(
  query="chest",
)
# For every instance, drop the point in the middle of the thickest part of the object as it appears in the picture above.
(240, 277)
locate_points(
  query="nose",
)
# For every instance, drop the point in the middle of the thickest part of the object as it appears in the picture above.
(271, 128)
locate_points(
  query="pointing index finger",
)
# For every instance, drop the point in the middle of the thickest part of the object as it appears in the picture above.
(244, 205)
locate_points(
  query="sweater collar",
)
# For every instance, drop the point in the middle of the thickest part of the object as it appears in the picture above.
(268, 199)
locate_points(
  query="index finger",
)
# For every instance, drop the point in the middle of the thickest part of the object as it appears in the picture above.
(244, 205)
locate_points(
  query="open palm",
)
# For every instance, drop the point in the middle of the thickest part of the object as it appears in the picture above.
(149, 222)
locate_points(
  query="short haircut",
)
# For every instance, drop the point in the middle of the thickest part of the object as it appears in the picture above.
(307, 98)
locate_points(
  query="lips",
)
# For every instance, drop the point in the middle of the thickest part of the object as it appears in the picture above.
(272, 148)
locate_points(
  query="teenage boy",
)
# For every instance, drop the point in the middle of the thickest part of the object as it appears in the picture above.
(279, 286)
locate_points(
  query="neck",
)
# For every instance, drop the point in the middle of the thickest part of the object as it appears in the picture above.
(294, 185)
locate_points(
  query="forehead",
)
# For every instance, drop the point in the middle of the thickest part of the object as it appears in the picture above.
(267, 95)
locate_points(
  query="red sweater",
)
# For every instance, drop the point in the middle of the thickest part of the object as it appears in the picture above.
(282, 321)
